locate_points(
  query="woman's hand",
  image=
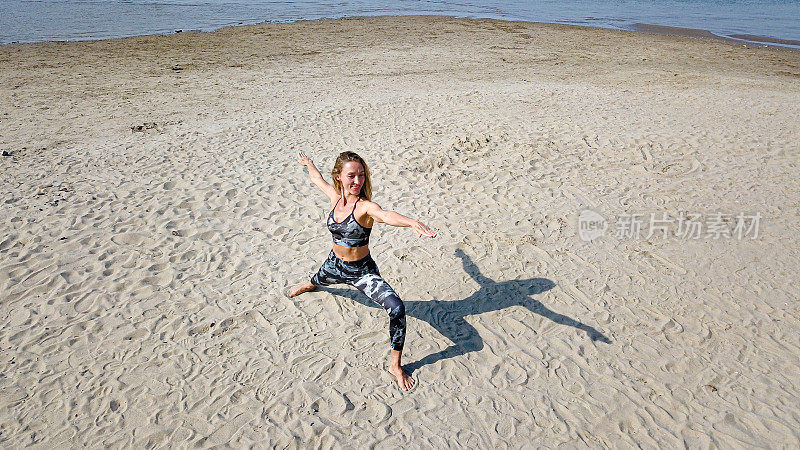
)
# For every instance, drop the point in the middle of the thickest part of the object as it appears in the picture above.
(304, 159)
(423, 230)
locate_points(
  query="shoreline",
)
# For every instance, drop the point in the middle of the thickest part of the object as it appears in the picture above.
(745, 39)
(638, 27)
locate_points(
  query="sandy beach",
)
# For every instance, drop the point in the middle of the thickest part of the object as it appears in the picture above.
(153, 212)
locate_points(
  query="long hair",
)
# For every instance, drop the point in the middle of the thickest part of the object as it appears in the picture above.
(366, 189)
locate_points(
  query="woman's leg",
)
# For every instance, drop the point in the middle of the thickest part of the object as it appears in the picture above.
(365, 276)
(329, 273)
(297, 290)
(381, 293)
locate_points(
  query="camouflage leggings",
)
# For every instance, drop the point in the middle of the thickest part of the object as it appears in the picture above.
(364, 275)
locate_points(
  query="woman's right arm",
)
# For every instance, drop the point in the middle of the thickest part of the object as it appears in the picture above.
(316, 177)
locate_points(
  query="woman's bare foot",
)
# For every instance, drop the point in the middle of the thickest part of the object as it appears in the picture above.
(404, 381)
(300, 289)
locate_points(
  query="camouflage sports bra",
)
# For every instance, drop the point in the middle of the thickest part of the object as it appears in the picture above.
(348, 233)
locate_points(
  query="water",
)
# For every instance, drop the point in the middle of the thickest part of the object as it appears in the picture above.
(55, 20)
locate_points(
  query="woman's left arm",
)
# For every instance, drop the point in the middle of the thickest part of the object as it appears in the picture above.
(397, 220)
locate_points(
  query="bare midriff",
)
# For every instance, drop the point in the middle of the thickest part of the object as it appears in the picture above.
(350, 253)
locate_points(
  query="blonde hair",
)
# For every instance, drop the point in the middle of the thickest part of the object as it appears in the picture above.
(344, 157)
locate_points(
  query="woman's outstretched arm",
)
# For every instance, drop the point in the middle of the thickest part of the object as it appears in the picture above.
(397, 220)
(316, 177)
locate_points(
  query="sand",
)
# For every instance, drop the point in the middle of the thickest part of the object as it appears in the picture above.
(153, 211)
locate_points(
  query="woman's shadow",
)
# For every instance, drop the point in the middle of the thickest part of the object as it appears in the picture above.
(447, 317)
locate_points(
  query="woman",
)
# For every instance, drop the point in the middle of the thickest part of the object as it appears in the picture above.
(350, 222)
